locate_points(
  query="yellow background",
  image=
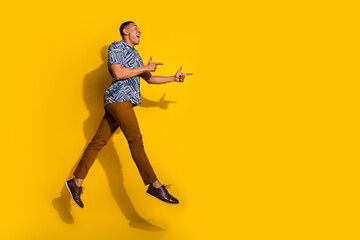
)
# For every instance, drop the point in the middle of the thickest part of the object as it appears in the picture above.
(262, 142)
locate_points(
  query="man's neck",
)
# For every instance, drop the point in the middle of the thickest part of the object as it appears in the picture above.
(129, 43)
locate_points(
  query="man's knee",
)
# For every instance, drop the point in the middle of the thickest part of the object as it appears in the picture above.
(97, 142)
(135, 140)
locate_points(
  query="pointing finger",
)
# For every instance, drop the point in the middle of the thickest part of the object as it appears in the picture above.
(158, 63)
(187, 73)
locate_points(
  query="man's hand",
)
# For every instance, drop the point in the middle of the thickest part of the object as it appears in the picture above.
(179, 76)
(151, 66)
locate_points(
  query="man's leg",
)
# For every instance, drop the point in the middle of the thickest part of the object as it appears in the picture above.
(125, 117)
(106, 129)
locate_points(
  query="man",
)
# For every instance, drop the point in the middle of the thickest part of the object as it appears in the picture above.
(125, 67)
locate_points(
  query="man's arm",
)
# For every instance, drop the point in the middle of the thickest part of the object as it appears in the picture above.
(178, 77)
(121, 72)
(156, 79)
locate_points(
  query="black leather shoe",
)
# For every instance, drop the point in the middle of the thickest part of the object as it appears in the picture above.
(75, 191)
(161, 194)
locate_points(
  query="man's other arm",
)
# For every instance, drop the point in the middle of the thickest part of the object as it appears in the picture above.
(121, 72)
(156, 79)
(178, 77)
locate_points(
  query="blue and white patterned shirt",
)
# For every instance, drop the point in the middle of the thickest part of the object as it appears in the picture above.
(125, 89)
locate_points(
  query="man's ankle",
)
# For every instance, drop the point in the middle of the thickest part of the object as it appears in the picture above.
(78, 181)
(156, 184)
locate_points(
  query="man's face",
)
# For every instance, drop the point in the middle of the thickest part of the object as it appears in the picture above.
(133, 33)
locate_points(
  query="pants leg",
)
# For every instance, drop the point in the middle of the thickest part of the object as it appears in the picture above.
(125, 117)
(106, 129)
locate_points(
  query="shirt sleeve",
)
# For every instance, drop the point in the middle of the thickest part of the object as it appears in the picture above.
(141, 61)
(116, 55)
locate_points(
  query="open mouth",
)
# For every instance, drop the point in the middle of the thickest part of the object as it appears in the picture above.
(138, 36)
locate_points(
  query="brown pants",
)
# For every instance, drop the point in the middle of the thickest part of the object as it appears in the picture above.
(120, 114)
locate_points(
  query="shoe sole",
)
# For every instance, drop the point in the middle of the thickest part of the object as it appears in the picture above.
(160, 199)
(72, 195)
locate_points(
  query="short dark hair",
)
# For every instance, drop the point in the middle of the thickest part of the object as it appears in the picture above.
(124, 25)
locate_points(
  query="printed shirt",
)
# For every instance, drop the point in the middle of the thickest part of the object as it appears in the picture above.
(125, 89)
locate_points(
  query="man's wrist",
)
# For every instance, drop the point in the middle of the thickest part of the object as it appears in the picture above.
(144, 68)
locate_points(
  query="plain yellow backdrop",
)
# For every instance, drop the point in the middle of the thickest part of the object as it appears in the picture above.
(262, 142)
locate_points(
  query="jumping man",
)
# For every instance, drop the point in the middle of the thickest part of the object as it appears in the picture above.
(125, 67)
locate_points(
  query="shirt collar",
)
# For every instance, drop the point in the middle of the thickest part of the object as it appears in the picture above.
(127, 45)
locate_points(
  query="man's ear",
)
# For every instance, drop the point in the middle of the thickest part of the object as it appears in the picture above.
(125, 31)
